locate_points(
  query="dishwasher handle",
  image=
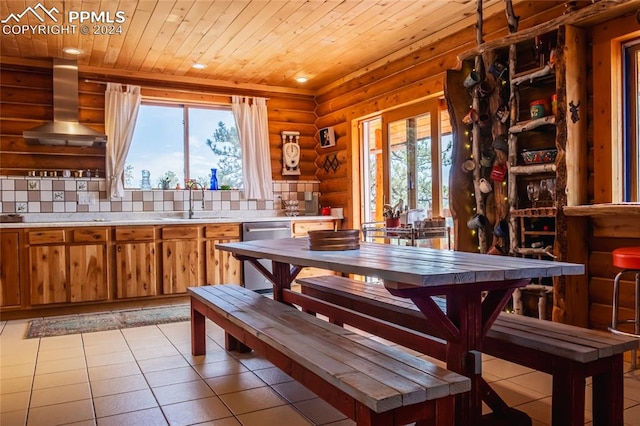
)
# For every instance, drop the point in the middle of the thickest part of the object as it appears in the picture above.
(267, 229)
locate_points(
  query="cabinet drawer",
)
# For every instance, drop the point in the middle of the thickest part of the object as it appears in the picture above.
(231, 230)
(179, 233)
(138, 233)
(46, 237)
(302, 228)
(89, 235)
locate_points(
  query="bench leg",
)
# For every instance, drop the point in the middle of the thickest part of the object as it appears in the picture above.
(198, 332)
(233, 344)
(445, 412)
(608, 405)
(442, 413)
(567, 406)
(314, 313)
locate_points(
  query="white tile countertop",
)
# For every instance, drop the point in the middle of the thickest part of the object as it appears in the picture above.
(57, 220)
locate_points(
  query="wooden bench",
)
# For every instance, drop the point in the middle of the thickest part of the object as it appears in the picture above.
(369, 382)
(570, 354)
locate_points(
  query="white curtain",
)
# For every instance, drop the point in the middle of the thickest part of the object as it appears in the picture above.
(251, 120)
(121, 111)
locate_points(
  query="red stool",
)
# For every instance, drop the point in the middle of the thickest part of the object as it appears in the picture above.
(628, 259)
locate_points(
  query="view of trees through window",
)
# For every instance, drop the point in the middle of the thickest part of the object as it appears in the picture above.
(186, 142)
(410, 166)
(407, 156)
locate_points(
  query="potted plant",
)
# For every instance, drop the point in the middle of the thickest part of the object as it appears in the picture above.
(168, 180)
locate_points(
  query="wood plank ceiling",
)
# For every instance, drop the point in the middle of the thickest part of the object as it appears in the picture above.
(265, 42)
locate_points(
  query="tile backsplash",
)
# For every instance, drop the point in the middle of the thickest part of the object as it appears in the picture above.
(85, 195)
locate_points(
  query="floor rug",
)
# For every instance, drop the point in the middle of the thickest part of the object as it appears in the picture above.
(102, 321)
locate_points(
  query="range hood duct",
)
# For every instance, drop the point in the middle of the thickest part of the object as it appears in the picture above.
(65, 129)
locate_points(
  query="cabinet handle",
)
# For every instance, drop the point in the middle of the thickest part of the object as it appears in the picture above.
(119, 249)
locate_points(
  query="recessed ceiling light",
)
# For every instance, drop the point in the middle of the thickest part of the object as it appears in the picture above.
(199, 66)
(72, 50)
(301, 79)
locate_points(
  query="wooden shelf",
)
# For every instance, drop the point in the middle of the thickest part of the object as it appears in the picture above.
(535, 212)
(551, 233)
(532, 75)
(531, 169)
(526, 126)
(546, 251)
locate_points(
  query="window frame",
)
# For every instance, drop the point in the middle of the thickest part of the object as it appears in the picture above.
(439, 129)
(631, 129)
(185, 106)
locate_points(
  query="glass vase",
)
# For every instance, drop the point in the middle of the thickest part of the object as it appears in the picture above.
(146, 182)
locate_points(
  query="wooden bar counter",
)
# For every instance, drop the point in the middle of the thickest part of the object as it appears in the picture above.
(597, 230)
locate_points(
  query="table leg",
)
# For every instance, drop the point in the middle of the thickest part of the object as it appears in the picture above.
(464, 309)
(283, 276)
(468, 317)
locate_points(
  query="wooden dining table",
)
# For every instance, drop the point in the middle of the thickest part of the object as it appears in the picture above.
(476, 286)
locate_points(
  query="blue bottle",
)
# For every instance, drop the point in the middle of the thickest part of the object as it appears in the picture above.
(214, 180)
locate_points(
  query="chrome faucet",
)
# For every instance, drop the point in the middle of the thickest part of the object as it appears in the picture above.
(193, 184)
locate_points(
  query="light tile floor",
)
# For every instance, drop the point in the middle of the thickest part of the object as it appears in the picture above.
(147, 376)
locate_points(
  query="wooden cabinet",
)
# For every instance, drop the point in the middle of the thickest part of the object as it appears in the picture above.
(220, 266)
(88, 264)
(56, 266)
(547, 154)
(533, 138)
(48, 277)
(68, 265)
(542, 149)
(301, 229)
(135, 262)
(181, 263)
(10, 268)
(523, 143)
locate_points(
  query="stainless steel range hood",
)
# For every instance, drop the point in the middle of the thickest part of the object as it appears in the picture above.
(65, 129)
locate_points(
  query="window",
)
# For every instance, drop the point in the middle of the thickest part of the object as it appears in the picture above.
(632, 117)
(407, 156)
(177, 142)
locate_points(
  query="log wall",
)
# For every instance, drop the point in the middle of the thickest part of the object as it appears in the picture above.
(608, 233)
(26, 101)
(410, 79)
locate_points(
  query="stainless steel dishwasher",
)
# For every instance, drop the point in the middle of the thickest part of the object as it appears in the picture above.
(252, 278)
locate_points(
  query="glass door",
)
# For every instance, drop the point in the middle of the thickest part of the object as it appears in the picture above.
(410, 168)
(406, 154)
(373, 195)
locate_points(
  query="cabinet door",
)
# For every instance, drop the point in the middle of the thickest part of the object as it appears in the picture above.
(300, 229)
(180, 266)
(48, 276)
(136, 271)
(221, 266)
(88, 272)
(10, 269)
